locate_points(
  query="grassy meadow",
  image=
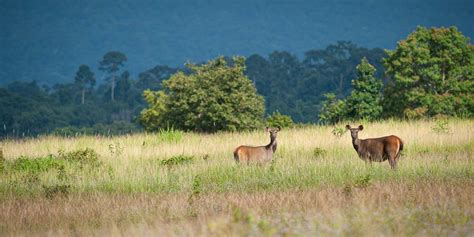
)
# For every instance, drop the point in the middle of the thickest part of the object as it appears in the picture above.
(187, 184)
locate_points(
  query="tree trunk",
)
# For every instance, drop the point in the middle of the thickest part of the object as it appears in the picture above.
(341, 79)
(83, 95)
(113, 88)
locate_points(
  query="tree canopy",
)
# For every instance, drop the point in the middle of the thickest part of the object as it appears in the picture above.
(432, 73)
(213, 97)
(364, 102)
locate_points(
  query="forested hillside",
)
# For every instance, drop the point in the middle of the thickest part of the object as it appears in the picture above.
(46, 40)
(429, 74)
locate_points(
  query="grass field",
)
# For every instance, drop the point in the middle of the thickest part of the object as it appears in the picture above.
(187, 184)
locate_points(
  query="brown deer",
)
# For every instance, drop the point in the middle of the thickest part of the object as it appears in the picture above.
(257, 154)
(377, 149)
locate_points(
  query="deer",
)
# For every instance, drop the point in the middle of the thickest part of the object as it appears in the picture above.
(257, 154)
(376, 149)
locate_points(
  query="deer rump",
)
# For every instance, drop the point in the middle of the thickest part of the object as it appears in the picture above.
(380, 149)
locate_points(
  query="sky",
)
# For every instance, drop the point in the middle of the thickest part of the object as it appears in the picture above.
(48, 40)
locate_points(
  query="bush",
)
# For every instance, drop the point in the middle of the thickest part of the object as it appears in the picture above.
(83, 156)
(333, 110)
(338, 131)
(441, 126)
(35, 165)
(279, 120)
(177, 160)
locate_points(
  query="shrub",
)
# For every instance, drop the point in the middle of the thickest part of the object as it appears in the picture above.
(441, 126)
(82, 156)
(34, 165)
(333, 110)
(363, 181)
(338, 131)
(177, 160)
(279, 120)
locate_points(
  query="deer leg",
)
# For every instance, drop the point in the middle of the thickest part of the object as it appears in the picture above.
(393, 163)
(368, 161)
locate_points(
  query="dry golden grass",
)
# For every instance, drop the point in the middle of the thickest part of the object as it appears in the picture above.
(423, 209)
(316, 186)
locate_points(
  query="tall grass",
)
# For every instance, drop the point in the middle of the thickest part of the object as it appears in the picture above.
(190, 168)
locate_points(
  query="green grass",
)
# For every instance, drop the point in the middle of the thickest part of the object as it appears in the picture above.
(194, 179)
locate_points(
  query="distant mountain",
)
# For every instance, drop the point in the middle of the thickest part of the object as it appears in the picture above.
(47, 40)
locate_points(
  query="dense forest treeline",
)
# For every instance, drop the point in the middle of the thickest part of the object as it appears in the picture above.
(430, 73)
(290, 85)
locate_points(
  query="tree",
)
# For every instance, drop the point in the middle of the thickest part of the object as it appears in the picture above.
(213, 97)
(432, 73)
(333, 110)
(111, 63)
(258, 70)
(84, 80)
(364, 102)
(151, 79)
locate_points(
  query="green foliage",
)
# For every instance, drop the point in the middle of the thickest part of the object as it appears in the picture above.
(111, 63)
(432, 73)
(279, 120)
(116, 128)
(213, 97)
(169, 135)
(177, 160)
(333, 110)
(364, 102)
(363, 181)
(441, 126)
(36, 165)
(289, 85)
(338, 131)
(84, 80)
(84, 157)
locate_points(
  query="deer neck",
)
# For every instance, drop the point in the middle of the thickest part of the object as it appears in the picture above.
(356, 142)
(272, 145)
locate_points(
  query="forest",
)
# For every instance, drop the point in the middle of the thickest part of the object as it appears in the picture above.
(312, 89)
(29, 108)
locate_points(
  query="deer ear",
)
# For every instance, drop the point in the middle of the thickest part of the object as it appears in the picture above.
(278, 128)
(348, 126)
(361, 127)
(266, 129)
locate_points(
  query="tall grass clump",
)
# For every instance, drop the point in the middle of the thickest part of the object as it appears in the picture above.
(169, 135)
